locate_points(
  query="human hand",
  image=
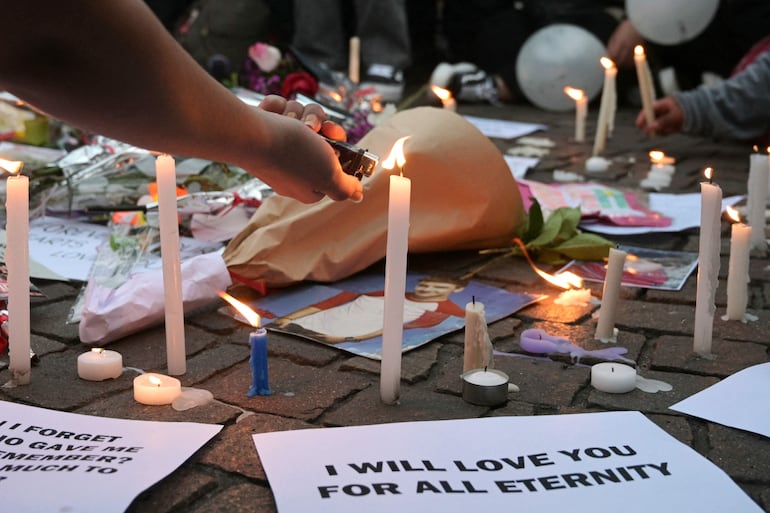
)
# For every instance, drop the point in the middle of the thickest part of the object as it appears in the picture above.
(669, 118)
(301, 164)
(620, 46)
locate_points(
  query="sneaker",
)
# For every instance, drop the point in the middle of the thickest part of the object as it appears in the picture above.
(473, 87)
(443, 73)
(386, 80)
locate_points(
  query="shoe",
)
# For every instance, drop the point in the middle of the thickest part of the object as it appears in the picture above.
(443, 73)
(473, 87)
(386, 80)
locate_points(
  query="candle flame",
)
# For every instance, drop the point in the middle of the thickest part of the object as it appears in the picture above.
(565, 280)
(12, 166)
(574, 93)
(443, 94)
(639, 51)
(97, 350)
(656, 156)
(251, 316)
(733, 214)
(709, 174)
(608, 63)
(154, 380)
(396, 155)
(335, 96)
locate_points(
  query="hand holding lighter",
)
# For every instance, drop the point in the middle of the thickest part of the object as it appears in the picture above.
(354, 160)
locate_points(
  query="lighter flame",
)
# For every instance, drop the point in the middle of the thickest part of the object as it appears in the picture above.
(154, 380)
(396, 155)
(733, 214)
(12, 166)
(608, 63)
(639, 51)
(575, 94)
(443, 94)
(251, 316)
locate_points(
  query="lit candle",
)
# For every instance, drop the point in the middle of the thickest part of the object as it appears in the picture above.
(445, 95)
(738, 270)
(605, 326)
(708, 264)
(172, 268)
(607, 107)
(644, 77)
(156, 389)
(395, 276)
(354, 59)
(99, 364)
(661, 171)
(613, 378)
(260, 384)
(478, 348)
(759, 169)
(17, 263)
(581, 110)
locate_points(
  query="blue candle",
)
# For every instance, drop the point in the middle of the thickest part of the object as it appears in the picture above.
(258, 362)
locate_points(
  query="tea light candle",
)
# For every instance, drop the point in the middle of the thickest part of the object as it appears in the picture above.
(156, 389)
(172, 268)
(485, 387)
(99, 364)
(395, 276)
(613, 378)
(708, 264)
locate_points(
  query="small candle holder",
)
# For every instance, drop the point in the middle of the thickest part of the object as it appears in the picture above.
(485, 387)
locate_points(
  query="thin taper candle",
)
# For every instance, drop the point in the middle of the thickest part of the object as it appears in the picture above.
(708, 265)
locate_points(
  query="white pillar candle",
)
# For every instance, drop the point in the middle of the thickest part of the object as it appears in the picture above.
(607, 107)
(478, 347)
(354, 59)
(646, 88)
(708, 265)
(613, 378)
(172, 268)
(581, 110)
(759, 170)
(17, 263)
(99, 364)
(738, 272)
(395, 277)
(156, 389)
(605, 326)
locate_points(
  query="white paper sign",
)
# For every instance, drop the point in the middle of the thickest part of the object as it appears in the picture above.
(57, 461)
(582, 463)
(503, 129)
(66, 247)
(737, 401)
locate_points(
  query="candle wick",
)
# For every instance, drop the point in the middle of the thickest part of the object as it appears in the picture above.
(485, 368)
(612, 369)
(473, 299)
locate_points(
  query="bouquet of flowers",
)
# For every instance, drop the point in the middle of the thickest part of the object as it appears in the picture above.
(269, 71)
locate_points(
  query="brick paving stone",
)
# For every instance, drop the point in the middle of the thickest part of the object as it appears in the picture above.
(415, 364)
(174, 492)
(741, 454)
(240, 497)
(675, 353)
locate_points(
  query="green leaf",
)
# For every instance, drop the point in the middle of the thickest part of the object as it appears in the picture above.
(585, 246)
(534, 221)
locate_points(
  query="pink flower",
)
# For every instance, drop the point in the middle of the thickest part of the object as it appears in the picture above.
(267, 57)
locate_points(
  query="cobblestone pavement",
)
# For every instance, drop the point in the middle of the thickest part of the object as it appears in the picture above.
(317, 386)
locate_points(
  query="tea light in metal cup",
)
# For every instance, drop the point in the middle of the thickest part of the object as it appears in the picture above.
(485, 387)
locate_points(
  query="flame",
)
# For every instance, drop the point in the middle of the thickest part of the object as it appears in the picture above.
(656, 156)
(154, 380)
(97, 350)
(337, 97)
(639, 51)
(565, 280)
(443, 94)
(608, 63)
(709, 174)
(575, 94)
(251, 316)
(733, 214)
(12, 166)
(396, 155)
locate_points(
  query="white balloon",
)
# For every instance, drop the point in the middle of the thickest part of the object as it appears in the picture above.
(670, 22)
(556, 56)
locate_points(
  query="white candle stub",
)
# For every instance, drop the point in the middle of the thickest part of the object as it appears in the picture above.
(99, 364)
(613, 378)
(156, 389)
(597, 165)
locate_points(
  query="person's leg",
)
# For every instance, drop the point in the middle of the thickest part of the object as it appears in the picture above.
(384, 32)
(319, 32)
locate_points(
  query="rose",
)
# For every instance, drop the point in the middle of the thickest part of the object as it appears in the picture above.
(299, 82)
(267, 57)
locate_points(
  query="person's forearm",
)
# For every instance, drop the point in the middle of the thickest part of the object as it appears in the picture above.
(124, 77)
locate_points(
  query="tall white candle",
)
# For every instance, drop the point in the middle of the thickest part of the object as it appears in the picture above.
(738, 270)
(708, 265)
(172, 268)
(644, 78)
(395, 276)
(581, 110)
(17, 263)
(605, 326)
(759, 171)
(354, 59)
(607, 107)
(478, 350)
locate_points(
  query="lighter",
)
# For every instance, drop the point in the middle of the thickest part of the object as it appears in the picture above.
(354, 160)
